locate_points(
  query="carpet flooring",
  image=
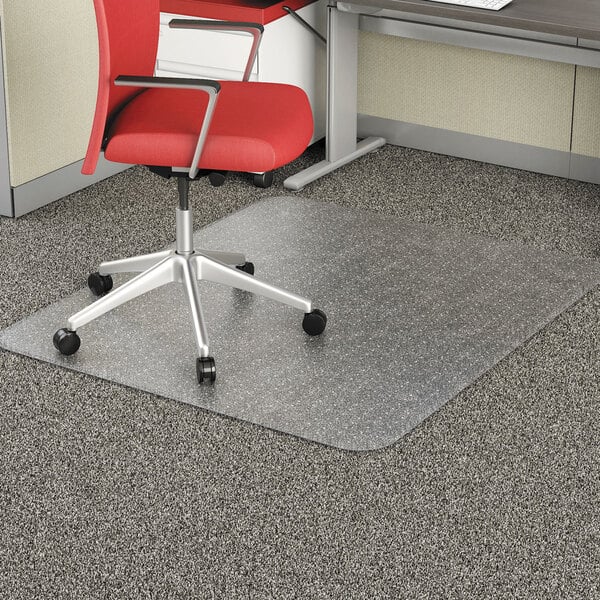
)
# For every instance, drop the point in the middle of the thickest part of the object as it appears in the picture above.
(106, 492)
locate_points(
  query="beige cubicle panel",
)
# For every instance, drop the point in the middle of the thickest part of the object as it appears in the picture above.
(586, 113)
(510, 110)
(50, 70)
(476, 92)
(585, 156)
(49, 79)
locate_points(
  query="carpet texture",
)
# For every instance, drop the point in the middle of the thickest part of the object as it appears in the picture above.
(106, 492)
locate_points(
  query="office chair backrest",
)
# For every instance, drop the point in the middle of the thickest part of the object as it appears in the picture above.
(127, 43)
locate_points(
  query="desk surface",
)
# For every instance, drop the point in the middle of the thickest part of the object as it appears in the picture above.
(256, 11)
(575, 18)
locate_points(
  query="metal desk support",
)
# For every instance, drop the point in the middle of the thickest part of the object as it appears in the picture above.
(560, 39)
(342, 64)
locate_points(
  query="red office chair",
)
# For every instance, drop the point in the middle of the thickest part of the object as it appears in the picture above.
(184, 128)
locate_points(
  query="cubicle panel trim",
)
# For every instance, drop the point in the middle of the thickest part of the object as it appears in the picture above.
(6, 197)
(589, 43)
(465, 145)
(574, 55)
(585, 168)
(58, 184)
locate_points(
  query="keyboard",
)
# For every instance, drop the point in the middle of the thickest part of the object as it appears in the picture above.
(487, 4)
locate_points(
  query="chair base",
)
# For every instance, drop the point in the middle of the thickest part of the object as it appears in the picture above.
(188, 269)
(186, 266)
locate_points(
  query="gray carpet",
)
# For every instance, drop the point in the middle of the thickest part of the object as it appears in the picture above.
(106, 492)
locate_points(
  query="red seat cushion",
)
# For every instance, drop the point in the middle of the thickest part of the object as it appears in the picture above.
(256, 127)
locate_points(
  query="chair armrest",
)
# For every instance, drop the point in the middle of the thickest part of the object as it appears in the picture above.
(254, 29)
(211, 87)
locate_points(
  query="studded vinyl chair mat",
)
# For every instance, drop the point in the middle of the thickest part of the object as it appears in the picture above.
(415, 314)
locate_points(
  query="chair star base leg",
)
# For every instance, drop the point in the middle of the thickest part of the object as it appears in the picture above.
(187, 269)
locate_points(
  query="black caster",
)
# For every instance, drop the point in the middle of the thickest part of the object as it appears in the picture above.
(263, 180)
(67, 342)
(217, 178)
(100, 284)
(205, 369)
(247, 267)
(314, 322)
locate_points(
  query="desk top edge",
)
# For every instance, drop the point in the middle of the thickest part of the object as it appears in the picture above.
(575, 18)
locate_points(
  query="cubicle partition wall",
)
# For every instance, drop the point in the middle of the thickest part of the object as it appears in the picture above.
(585, 143)
(50, 69)
(516, 111)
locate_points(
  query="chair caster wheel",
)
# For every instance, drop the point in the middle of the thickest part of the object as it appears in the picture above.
(217, 178)
(314, 322)
(100, 284)
(263, 180)
(205, 369)
(67, 342)
(247, 267)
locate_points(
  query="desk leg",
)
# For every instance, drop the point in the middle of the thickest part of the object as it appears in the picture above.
(342, 65)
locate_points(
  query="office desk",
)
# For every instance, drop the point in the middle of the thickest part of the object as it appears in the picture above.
(565, 31)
